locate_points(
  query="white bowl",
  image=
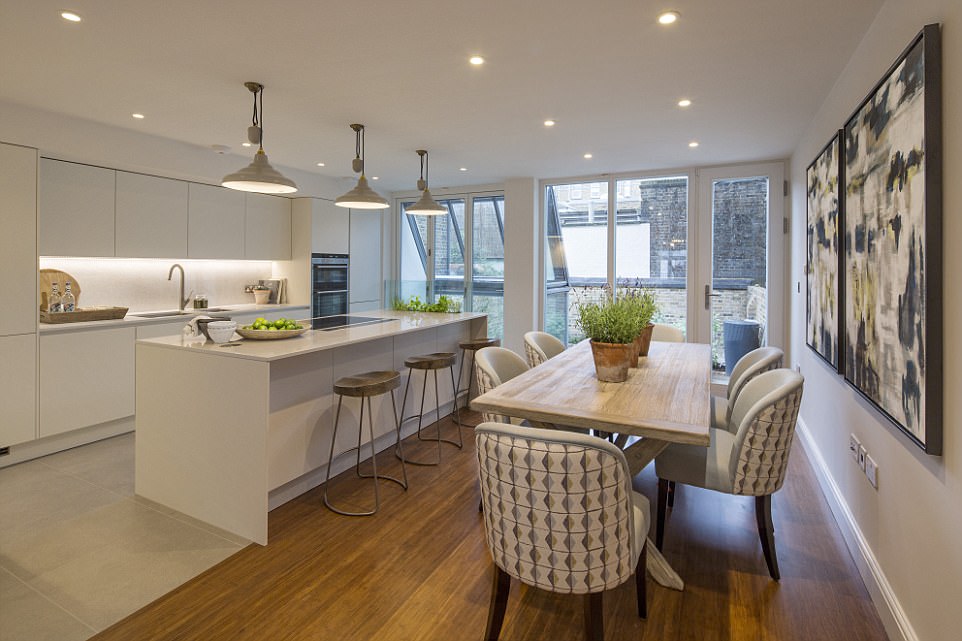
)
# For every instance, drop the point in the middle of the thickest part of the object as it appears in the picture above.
(221, 331)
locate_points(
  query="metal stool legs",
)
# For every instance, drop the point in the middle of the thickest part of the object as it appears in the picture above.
(420, 416)
(467, 392)
(357, 466)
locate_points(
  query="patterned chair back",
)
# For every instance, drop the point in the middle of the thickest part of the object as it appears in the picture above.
(765, 413)
(540, 346)
(755, 362)
(557, 508)
(494, 366)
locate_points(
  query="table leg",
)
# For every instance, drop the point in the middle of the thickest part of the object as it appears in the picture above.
(639, 455)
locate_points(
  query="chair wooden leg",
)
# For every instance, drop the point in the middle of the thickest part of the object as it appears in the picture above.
(641, 582)
(594, 616)
(500, 587)
(671, 494)
(662, 513)
(766, 532)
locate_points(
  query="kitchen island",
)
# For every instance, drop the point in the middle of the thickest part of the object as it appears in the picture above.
(226, 433)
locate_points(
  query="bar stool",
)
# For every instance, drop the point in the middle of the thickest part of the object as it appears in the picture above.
(472, 346)
(364, 386)
(431, 363)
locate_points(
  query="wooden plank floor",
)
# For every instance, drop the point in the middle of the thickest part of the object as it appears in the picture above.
(419, 570)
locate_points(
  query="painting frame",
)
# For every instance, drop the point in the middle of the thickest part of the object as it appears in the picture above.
(891, 337)
(824, 179)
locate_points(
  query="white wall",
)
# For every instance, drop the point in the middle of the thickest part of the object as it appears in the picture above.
(910, 528)
(522, 238)
(85, 141)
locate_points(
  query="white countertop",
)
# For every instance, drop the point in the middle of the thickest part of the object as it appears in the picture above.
(132, 320)
(317, 340)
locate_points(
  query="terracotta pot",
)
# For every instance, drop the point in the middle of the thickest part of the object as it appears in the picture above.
(643, 341)
(635, 352)
(612, 361)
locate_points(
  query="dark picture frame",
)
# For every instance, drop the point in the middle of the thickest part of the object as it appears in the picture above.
(892, 244)
(824, 220)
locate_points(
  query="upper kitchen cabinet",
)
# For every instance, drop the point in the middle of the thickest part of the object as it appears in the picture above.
(330, 228)
(18, 242)
(76, 209)
(151, 217)
(268, 228)
(216, 222)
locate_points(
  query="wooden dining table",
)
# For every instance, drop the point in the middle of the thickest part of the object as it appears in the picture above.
(666, 399)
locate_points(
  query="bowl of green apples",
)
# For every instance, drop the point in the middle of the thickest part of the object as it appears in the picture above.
(262, 329)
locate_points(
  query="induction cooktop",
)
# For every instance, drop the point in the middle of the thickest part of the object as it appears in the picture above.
(328, 323)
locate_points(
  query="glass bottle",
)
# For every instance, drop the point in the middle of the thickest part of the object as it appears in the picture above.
(55, 304)
(69, 302)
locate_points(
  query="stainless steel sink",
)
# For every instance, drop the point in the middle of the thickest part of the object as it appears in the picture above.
(172, 312)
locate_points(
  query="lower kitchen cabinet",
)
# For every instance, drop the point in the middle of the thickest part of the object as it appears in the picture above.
(86, 378)
(18, 389)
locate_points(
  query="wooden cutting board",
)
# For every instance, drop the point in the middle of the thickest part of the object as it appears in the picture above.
(50, 276)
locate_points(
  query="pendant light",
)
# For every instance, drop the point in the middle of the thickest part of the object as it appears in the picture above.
(258, 176)
(426, 206)
(362, 196)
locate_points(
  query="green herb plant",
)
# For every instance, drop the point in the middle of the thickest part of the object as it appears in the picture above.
(415, 304)
(643, 304)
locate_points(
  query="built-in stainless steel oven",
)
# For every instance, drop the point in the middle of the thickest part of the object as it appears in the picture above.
(329, 280)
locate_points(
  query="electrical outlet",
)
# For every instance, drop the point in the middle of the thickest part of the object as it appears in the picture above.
(871, 471)
(862, 453)
(853, 447)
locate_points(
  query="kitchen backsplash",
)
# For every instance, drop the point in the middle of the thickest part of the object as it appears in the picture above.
(142, 285)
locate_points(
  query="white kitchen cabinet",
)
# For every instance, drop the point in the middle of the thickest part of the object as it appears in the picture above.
(215, 222)
(86, 378)
(330, 228)
(18, 240)
(151, 217)
(267, 228)
(76, 209)
(366, 252)
(157, 330)
(18, 389)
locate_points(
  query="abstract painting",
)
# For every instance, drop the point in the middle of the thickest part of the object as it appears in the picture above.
(822, 256)
(892, 244)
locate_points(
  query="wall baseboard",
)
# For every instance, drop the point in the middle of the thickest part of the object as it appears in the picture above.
(893, 616)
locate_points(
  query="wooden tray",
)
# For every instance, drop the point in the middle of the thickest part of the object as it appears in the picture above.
(267, 335)
(84, 314)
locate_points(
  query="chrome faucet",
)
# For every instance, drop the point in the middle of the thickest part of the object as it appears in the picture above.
(182, 302)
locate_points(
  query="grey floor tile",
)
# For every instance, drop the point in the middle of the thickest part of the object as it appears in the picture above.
(108, 464)
(26, 615)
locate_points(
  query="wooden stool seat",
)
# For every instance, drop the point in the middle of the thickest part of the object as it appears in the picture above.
(478, 343)
(368, 384)
(438, 360)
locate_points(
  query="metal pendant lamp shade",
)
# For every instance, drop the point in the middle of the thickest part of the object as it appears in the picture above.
(258, 176)
(426, 205)
(362, 196)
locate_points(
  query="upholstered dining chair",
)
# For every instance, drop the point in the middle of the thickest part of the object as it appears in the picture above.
(559, 515)
(540, 346)
(667, 334)
(494, 366)
(751, 461)
(755, 362)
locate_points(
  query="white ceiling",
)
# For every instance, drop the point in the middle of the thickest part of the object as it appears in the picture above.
(756, 71)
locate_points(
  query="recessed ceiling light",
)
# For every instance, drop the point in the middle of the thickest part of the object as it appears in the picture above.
(588, 156)
(476, 60)
(464, 168)
(221, 149)
(668, 17)
(70, 16)
(549, 123)
(693, 144)
(138, 116)
(374, 178)
(684, 102)
(245, 144)
(320, 164)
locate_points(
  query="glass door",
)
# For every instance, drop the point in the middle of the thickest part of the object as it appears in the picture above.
(738, 292)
